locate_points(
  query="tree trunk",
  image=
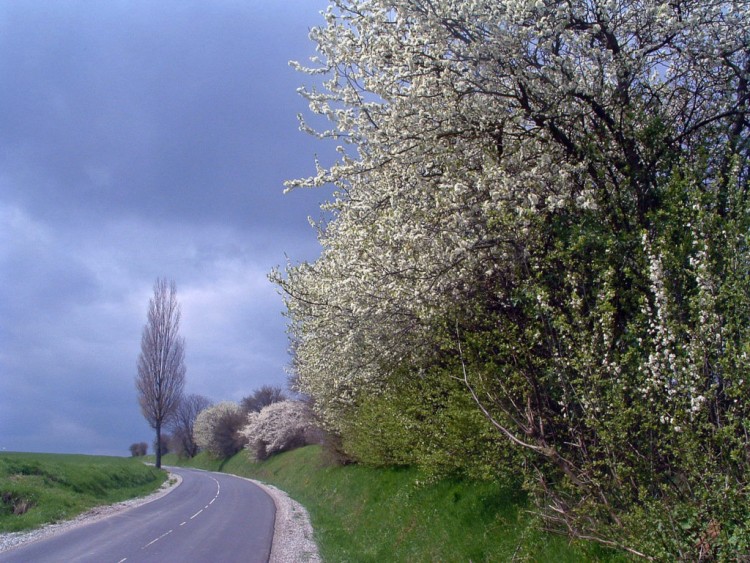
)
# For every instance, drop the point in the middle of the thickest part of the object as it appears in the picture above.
(158, 445)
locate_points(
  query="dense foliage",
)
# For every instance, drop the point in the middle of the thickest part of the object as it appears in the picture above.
(546, 201)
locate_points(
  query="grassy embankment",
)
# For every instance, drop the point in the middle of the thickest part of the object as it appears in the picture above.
(37, 489)
(368, 514)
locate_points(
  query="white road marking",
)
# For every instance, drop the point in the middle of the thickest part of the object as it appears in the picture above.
(218, 492)
(157, 539)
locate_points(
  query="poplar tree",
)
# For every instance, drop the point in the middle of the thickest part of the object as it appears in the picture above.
(161, 363)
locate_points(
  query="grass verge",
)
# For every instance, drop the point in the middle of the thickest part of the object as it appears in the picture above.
(37, 489)
(371, 514)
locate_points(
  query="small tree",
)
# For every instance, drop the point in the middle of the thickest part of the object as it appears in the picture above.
(266, 395)
(183, 422)
(277, 428)
(138, 449)
(161, 364)
(217, 429)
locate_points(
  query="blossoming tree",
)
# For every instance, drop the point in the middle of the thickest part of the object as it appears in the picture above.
(548, 199)
(217, 429)
(276, 428)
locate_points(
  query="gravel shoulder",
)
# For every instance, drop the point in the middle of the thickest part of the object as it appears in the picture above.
(292, 540)
(293, 534)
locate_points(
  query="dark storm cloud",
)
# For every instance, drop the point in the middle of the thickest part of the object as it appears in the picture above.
(171, 111)
(143, 139)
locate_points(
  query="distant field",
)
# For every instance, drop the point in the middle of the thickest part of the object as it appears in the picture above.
(37, 489)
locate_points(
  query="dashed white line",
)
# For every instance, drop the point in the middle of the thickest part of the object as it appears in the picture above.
(218, 492)
(157, 539)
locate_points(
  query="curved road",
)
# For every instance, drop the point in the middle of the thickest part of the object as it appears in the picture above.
(209, 517)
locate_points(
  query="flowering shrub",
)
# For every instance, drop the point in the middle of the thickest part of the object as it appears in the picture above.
(548, 201)
(278, 427)
(216, 429)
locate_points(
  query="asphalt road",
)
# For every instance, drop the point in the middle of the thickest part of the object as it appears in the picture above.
(210, 517)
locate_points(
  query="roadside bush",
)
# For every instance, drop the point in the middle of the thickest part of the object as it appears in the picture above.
(279, 427)
(217, 429)
(15, 504)
(138, 449)
(427, 421)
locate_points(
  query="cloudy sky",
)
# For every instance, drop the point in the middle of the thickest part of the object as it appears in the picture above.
(141, 139)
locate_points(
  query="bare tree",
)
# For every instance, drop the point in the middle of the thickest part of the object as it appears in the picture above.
(183, 422)
(266, 395)
(161, 364)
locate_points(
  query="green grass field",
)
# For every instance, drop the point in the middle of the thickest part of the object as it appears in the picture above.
(37, 489)
(368, 514)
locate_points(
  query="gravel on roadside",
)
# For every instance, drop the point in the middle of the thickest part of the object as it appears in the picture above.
(293, 534)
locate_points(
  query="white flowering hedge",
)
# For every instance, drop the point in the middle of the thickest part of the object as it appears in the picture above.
(278, 427)
(547, 201)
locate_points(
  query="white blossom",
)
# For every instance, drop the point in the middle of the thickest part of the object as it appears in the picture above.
(276, 428)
